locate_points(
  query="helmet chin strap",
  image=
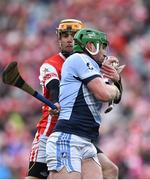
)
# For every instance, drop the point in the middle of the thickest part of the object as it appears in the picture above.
(94, 53)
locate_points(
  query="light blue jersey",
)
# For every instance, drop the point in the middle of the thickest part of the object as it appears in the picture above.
(80, 110)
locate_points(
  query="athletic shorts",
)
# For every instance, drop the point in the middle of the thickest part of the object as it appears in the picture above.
(37, 165)
(38, 150)
(68, 150)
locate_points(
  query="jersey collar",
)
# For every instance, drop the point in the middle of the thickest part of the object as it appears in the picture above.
(62, 56)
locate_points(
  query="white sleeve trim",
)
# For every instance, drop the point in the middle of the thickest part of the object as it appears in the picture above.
(47, 73)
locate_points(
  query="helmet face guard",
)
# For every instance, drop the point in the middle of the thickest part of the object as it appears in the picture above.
(69, 25)
(83, 36)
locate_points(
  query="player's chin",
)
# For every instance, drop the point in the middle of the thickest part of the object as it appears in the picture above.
(69, 48)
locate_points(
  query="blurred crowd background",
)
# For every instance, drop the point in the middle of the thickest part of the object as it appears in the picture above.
(27, 35)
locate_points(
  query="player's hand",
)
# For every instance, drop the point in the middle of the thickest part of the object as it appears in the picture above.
(121, 68)
(111, 60)
(111, 68)
(110, 72)
(55, 112)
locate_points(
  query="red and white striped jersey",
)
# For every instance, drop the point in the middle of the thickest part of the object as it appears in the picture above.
(50, 69)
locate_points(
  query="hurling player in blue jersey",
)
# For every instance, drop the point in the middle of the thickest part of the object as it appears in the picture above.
(82, 92)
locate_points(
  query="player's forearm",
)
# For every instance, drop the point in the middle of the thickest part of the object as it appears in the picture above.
(113, 92)
(103, 91)
(110, 92)
(53, 87)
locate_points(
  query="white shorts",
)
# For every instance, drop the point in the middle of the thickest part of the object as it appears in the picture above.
(38, 150)
(68, 150)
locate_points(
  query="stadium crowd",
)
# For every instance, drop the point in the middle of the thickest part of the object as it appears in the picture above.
(27, 35)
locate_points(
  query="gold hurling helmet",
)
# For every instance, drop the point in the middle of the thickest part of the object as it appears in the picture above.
(69, 25)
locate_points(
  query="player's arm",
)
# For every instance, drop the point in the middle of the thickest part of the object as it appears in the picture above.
(53, 88)
(111, 70)
(103, 91)
(92, 77)
(111, 73)
(50, 80)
